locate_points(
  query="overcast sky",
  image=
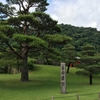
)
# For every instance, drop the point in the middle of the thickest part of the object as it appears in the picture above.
(84, 13)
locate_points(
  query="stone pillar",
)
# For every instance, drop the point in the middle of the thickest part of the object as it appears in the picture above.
(63, 78)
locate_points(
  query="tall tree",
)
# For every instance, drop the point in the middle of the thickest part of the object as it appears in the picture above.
(90, 62)
(24, 29)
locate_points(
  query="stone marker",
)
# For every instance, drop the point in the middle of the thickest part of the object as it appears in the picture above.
(63, 78)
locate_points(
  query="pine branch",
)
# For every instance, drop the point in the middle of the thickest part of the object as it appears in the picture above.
(14, 51)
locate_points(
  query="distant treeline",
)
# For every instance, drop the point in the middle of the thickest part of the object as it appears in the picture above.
(81, 35)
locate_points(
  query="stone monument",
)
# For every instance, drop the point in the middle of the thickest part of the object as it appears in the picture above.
(63, 78)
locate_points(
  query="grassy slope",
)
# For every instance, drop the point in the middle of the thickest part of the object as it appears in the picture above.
(44, 83)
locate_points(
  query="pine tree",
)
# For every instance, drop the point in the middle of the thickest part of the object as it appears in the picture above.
(23, 30)
(69, 54)
(89, 62)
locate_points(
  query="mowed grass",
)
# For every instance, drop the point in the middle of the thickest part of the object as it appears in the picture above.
(45, 83)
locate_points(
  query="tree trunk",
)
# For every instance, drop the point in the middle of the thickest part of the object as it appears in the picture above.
(47, 61)
(90, 77)
(68, 68)
(24, 68)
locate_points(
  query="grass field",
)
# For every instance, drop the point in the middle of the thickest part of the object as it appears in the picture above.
(45, 83)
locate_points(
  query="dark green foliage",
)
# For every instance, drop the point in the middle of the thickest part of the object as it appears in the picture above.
(30, 40)
(69, 55)
(89, 62)
(23, 35)
(88, 69)
(5, 11)
(88, 50)
(53, 53)
(31, 64)
(40, 4)
(56, 38)
(81, 36)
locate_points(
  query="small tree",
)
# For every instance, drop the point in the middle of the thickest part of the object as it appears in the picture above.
(90, 62)
(53, 40)
(69, 55)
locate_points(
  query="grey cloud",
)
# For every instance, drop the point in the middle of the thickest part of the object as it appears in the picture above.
(84, 13)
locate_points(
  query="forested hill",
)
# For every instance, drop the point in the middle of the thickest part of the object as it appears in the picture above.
(81, 35)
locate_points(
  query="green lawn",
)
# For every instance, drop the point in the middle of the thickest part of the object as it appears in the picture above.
(45, 83)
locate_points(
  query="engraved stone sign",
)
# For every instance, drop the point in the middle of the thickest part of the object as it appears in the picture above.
(63, 78)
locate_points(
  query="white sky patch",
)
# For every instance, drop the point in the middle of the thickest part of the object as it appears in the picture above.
(3, 1)
(92, 24)
(84, 13)
(54, 17)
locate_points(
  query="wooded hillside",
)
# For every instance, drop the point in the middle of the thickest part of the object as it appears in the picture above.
(81, 35)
